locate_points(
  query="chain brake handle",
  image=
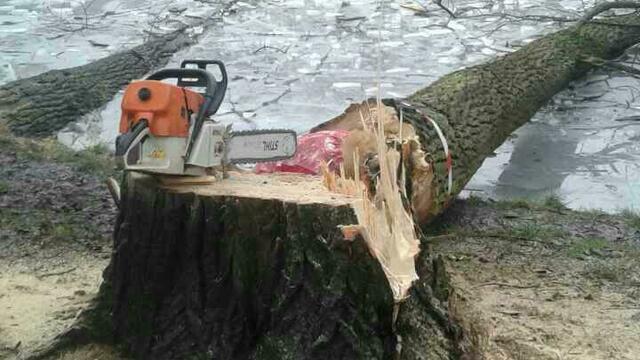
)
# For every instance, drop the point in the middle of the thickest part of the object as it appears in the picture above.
(221, 86)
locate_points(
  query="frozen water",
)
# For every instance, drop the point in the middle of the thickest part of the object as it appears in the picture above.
(39, 35)
(576, 147)
(295, 63)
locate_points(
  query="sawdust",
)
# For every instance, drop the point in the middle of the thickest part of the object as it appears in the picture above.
(553, 321)
(300, 189)
(36, 305)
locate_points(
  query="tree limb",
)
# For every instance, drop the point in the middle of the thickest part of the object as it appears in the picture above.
(443, 7)
(602, 7)
(612, 65)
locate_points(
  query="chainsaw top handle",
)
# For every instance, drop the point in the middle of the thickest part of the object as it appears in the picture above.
(200, 77)
(221, 86)
(190, 77)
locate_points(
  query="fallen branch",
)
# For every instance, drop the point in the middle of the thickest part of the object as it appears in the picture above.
(446, 9)
(502, 284)
(41, 276)
(602, 7)
(613, 65)
(264, 47)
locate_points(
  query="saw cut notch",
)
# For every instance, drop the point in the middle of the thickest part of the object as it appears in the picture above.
(177, 180)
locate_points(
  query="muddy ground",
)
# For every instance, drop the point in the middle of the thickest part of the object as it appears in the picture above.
(532, 281)
(55, 223)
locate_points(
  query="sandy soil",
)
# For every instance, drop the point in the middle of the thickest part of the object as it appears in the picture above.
(40, 297)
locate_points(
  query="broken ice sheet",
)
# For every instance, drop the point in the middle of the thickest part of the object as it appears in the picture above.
(397, 70)
(344, 85)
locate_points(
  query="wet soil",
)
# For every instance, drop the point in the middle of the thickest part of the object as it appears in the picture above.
(55, 226)
(543, 282)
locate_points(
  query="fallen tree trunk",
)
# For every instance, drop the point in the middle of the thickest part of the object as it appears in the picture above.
(43, 104)
(477, 108)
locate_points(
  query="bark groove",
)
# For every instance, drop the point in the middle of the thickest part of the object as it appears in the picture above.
(237, 278)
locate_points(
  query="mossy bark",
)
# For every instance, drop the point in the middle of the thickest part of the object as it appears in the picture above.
(227, 277)
(479, 107)
(237, 278)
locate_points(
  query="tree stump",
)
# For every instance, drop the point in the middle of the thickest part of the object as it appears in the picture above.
(254, 266)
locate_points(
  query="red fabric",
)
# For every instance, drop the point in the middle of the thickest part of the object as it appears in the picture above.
(313, 149)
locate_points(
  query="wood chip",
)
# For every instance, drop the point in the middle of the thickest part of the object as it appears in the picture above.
(98, 44)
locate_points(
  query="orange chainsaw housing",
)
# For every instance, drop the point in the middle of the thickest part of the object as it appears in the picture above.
(165, 107)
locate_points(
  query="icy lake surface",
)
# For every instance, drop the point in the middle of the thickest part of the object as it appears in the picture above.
(295, 63)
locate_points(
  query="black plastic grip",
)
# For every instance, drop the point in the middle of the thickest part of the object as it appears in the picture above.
(221, 86)
(200, 77)
(203, 78)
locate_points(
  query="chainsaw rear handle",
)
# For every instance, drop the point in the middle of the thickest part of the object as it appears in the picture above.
(221, 86)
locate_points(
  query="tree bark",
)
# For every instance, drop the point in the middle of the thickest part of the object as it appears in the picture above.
(479, 107)
(44, 104)
(257, 267)
(238, 277)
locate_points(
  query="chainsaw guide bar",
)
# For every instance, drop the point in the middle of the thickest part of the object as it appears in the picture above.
(251, 146)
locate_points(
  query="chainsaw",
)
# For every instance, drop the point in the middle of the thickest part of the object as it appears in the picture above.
(168, 129)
